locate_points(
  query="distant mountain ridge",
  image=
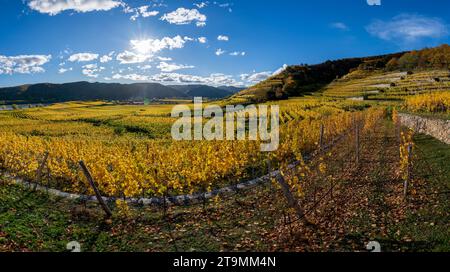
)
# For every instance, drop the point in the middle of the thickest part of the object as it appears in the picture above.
(206, 91)
(83, 91)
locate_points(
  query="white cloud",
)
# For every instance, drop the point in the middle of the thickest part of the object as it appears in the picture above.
(183, 16)
(237, 53)
(202, 39)
(83, 57)
(90, 66)
(217, 79)
(144, 67)
(152, 46)
(339, 25)
(23, 64)
(223, 38)
(92, 70)
(225, 5)
(220, 79)
(260, 76)
(256, 77)
(374, 2)
(220, 52)
(132, 77)
(407, 28)
(213, 79)
(128, 9)
(128, 57)
(106, 58)
(53, 7)
(146, 13)
(144, 50)
(174, 77)
(64, 70)
(164, 58)
(200, 24)
(141, 11)
(134, 17)
(279, 70)
(201, 5)
(170, 67)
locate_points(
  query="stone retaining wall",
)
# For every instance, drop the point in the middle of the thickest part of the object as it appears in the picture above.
(437, 128)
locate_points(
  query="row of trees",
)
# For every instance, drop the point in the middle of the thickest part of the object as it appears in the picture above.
(438, 57)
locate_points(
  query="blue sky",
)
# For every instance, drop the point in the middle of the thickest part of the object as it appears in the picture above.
(218, 43)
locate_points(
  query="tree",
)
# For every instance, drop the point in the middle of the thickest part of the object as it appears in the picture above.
(392, 64)
(290, 86)
(409, 61)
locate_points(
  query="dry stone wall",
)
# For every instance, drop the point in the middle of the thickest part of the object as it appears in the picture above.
(437, 128)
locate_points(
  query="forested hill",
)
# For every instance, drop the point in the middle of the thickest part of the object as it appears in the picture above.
(303, 79)
(83, 91)
(206, 91)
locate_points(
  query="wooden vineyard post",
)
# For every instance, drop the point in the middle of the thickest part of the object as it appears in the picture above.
(290, 198)
(357, 143)
(269, 171)
(398, 129)
(397, 132)
(40, 169)
(96, 191)
(408, 174)
(321, 137)
(353, 125)
(165, 196)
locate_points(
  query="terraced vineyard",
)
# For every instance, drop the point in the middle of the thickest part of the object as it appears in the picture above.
(388, 85)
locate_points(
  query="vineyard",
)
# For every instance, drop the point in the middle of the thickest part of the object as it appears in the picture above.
(138, 160)
(388, 85)
(429, 103)
(338, 158)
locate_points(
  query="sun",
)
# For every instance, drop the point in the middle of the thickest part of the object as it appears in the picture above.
(141, 46)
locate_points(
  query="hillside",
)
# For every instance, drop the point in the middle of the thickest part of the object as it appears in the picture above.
(386, 85)
(47, 92)
(202, 90)
(300, 80)
(231, 89)
(84, 91)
